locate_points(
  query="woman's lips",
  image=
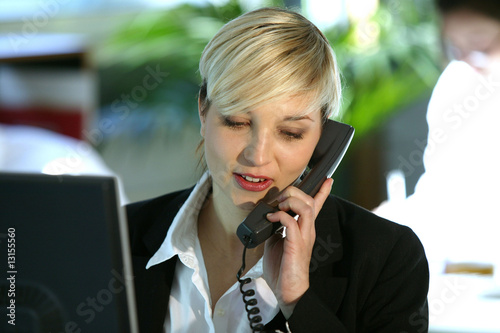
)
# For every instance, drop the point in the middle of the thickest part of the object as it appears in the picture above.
(252, 183)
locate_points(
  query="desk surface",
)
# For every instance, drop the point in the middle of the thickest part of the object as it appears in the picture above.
(463, 303)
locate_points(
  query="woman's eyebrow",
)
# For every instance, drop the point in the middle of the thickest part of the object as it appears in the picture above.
(296, 118)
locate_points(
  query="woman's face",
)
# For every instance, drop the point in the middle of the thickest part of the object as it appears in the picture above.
(265, 149)
(473, 38)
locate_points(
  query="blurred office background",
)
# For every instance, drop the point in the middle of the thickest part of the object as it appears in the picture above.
(122, 76)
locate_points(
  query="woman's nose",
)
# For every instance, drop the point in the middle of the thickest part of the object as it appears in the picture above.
(258, 151)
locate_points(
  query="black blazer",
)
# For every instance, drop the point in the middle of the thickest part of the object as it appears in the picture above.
(367, 274)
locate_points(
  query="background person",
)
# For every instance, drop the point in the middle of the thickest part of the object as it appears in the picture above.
(454, 208)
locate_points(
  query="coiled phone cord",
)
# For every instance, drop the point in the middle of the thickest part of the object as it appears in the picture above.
(250, 303)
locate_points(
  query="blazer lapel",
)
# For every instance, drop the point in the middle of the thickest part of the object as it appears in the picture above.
(153, 285)
(326, 278)
(152, 290)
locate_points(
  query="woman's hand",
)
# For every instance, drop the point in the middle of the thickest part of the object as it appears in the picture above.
(286, 260)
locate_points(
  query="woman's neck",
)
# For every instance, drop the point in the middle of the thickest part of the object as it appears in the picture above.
(221, 248)
(217, 223)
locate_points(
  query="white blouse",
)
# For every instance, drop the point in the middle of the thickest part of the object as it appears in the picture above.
(190, 306)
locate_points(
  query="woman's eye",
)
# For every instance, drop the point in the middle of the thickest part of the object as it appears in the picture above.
(290, 135)
(232, 123)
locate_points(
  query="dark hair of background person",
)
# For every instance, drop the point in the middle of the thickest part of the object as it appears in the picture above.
(490, 8)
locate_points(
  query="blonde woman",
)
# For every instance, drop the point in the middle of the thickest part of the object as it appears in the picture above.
(270, 81)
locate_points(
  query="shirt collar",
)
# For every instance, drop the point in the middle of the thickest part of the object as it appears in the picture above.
(182, 234)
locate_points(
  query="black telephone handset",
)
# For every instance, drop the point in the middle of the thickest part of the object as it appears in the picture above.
(331, 147)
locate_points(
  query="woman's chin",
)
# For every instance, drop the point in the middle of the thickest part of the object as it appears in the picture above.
(250, 202)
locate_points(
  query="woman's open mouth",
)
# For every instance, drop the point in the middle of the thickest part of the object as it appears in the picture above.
(252, 183)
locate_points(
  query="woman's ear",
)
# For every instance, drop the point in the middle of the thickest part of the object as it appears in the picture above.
(202, 116)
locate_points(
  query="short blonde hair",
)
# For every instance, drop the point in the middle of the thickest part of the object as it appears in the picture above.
(267, 54)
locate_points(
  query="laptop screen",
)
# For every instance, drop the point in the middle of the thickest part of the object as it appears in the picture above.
(64, 256)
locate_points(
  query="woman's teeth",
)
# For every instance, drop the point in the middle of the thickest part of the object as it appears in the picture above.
(253, 180)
